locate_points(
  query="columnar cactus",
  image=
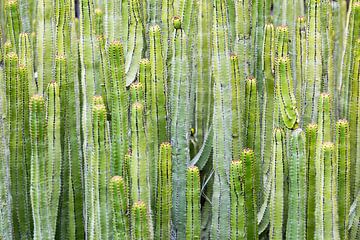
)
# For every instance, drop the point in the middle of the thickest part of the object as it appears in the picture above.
(140, 221)
(237, 188)
(192, 203)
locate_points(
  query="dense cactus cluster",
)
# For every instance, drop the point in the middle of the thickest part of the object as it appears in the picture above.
(179, 119)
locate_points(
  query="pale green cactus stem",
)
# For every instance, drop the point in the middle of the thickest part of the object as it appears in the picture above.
(13, 23)
(7, 48)
(285, 96)
(26, 59)
(99, 22)
(324, 135)
(62, 17)
(311, 137)
(237, 194)
(97, 176)
(313, 66)
(135, 41)
(167, 12)
(140, 222)
(300, 58)
(54, 153)
(105, 79)
(185, 9)
(343, 170)
(164, 193)
(112, 19)
(127, 178)
(17, 110)
(282, 41)
(354, 218)
(203, 81)
(145, 80)
(40, 175)
(6, 228)
(193, 216)
(45, 45)
(119, 106)
(250, 190)
(140, 163)
(220, 228)
(352, 35)
(137, 92)
(236, 107)
(180, 127)
(277, 199)
(120, 210)
(296, 222)
(330, 214)
(153, 10)
(354, 123)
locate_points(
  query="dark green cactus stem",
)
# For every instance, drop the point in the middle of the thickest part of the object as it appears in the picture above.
(220, 228)
(311, 148)
(40, 175)
(313, 67)
(203, 83)
(135, 41)
(54, 152)
(343, 170)
(6, 228)
(17, 110)
(45, 45)
(164, 193)
(285, 94)
(300, 44)
(237, 194)
(277, 198)
(13, 22)
(120, 211)
(140, 222)
(296, 222)
(354, 123)
(119, 106)
(352, 33)
(193, 216)
(180, 126)
(26, 60)
(236, 107)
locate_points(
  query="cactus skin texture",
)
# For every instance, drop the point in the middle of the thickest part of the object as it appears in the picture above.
(236, 107)
(277, 190)
(300, 45)
(343, 174)
(164, 193)
(237, 187)
(193, 203)
(12, 12)
(296, 222)
(140, 225)
(120, 211)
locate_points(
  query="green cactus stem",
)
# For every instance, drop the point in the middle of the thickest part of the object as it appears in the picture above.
(237, 194)
(277, 198)
(343, 170)
(296, 222)
(164, 193)
(105, 74)
(40, 174)
(137, 92)
(145, 79)
(120, 211)
(236, 107)
(300, 47)
(220, 228)
(285, 94)
(180, 126)
(26, 59)
(193, 203)
(119, 106)
(113, 18)
(13, 26)
(140, 222)
(311, 148)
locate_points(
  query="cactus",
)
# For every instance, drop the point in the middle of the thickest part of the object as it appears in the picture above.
(237, 186)
(192, 203)
(296, 222)
(140, 227)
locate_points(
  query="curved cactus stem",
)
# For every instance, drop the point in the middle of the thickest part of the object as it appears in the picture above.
(277, 189)
(237, 194)
(140, 222)
(119, 106)
(343, 173)
(285, 94)
(296, 222)
(120, 211)
(193, 216)
(164, 193)
(311, 148)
